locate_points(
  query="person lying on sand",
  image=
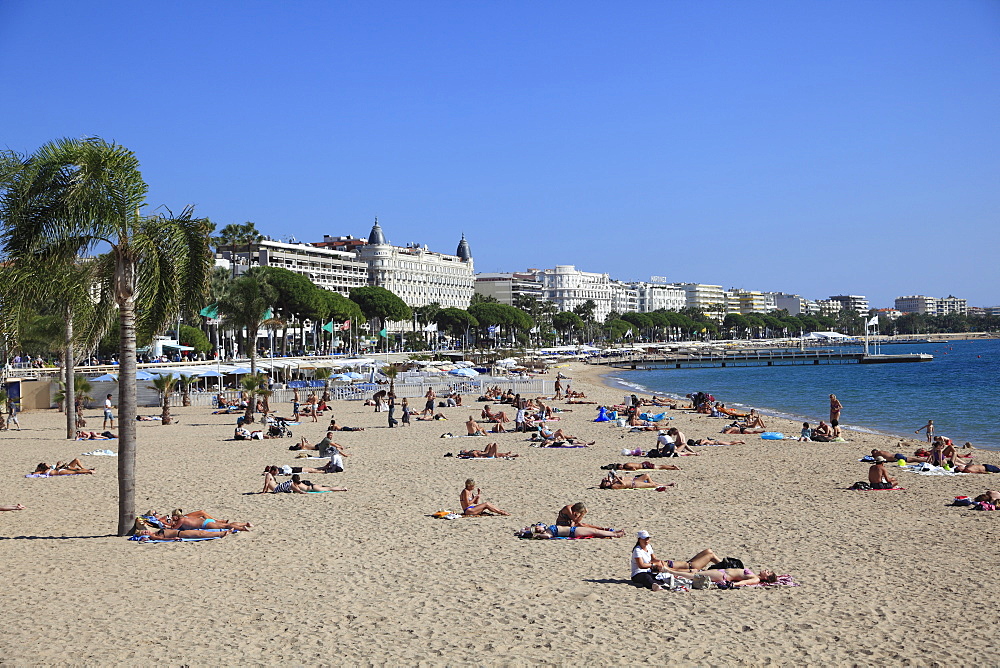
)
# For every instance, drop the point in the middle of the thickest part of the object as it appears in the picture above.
(737, 428)
(489, 453)
(989, 496)
(878, 477)
(295, 486)
(698, 562)
(548, 436)
(472, 504)
(727, 578)
(977, 468)
(335, 427)
(639, 466)
(72, 468)
(95, 436)
(175, 534)
(897, 456)
(641, 481)
(555, 531)
(199, 519)
(436, 416)
(712, 441)
(16, 506)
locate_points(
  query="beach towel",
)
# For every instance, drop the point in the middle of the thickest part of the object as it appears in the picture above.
(929, 469)
(890, 489)
(147, 541)
(100, 453)
(783, 581)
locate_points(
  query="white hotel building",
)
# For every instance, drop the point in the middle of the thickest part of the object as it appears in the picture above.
(415, 274)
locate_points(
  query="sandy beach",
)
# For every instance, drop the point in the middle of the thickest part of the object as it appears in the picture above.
(367, 577)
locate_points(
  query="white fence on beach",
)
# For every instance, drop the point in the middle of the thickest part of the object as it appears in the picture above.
(147, 397)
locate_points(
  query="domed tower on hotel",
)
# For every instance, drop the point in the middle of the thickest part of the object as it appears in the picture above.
(417, 275)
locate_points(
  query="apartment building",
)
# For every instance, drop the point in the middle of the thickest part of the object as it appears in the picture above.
(857, 303)
(932, 305)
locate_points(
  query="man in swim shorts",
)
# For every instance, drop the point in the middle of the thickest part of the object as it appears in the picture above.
(878, 477)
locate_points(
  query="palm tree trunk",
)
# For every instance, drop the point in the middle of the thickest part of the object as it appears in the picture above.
(126, 417)
(165, 415)
(70, 369)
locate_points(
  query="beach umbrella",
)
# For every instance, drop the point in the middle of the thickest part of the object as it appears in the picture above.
(108, 377)
(240, 369)
(468, 373)
(144, 375)
(211, 373)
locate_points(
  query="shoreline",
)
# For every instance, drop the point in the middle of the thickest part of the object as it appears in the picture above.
(776, 413)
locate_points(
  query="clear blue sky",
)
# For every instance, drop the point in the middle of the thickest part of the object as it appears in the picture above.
(811, 147)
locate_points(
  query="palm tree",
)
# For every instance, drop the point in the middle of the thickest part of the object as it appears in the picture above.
(165, 386)
(185, 381)
(255, 385)
(246, 305)
(94, 191)
(323, 373)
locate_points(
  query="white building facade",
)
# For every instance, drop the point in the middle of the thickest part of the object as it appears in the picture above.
(417, 275)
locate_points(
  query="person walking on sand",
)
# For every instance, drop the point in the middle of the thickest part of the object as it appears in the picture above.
(929, 428)
(109, 417)
(471, 503)
(835, 408)
(12, 414)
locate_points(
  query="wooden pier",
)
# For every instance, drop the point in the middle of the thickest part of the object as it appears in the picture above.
(752, 357)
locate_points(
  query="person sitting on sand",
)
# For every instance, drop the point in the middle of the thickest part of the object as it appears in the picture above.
(472, 504)
(199, 519)
(878, 477)
(644, 563)
(175, 534)
(640, 466)
(680, 442)
(500, 416)
(489, 453)
(295, 486)
(754, 421)
(572, 516)
(822, 433)
(641, 481)
(977, 468)
(542, 531)
(712, 441)
(70, 468)
(474, 428)
(16, 506)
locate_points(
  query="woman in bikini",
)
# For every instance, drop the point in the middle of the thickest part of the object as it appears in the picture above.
(72, 468)
(472, 504)
(556, 531)
(727, 578)
(294, 486)
(489, 452)
(199, 519)
(175, 534)
(641, 481)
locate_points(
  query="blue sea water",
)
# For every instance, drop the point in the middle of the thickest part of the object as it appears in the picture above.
(959, 389)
